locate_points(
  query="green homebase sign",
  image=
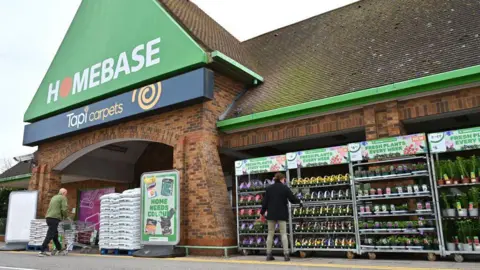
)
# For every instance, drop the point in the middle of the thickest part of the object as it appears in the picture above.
(113, 46)
(160, 208)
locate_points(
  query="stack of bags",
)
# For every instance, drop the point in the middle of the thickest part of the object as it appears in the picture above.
(120, 220)
(38, 231)
(128, 220)
(109, 205)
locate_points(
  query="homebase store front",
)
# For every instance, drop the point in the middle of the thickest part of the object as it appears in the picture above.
(174, 90)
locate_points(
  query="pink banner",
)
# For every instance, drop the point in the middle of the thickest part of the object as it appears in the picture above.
(89, 208)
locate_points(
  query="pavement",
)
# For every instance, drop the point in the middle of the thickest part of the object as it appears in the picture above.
(29, 261)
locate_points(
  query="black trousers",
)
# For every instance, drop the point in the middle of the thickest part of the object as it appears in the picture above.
(52, 234)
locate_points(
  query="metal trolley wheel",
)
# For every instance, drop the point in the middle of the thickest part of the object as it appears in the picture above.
(458, 258)
(432, 257)
(350, 255)
(245, 252)
(304, 254)
(372, 255)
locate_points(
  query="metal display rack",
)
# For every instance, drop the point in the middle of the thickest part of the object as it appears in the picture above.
(447, 145)
(326, 222)
(385, 192)
(248, 191)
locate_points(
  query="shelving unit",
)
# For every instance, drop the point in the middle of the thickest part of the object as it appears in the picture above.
(250, 185)
(321, 178)
(389, 175)
(449, 145)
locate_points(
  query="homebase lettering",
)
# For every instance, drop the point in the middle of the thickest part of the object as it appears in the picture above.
(77, 120)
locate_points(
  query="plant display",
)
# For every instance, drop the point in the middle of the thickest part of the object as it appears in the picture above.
(474, 197)
(321, 180)
(473, 168)
(325, 195)
(452, 172)
(325, 242)
(324, 226)
(439, 172)
(463, 170)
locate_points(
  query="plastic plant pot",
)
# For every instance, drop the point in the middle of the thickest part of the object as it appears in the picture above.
(450, 212)
(462, 212)
(473, 212)
(451, 246)
(467, 247)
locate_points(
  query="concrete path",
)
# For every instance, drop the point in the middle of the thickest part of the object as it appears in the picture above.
(29, 261)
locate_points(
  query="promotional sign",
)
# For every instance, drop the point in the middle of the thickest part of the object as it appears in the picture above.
(160, 208)
(388, 147)
(318, 157)
(194, 86)
(455, 140)
(22, 208)
(261, 165)
(89, 209)
(127, 43)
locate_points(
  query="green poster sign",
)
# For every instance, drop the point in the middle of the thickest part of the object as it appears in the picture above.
(160, 208)
(388, 147)
(113, 46)
(261, 165)
(455, 140)
(318, 157)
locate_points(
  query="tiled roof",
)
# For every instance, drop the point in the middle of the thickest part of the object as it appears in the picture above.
(20, 168)
(206, 31)
(363, 45)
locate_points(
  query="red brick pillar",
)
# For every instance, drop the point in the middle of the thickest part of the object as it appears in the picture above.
(382, 120)
(370, 123)
(209, 219)
(48, 183)
(395, 127)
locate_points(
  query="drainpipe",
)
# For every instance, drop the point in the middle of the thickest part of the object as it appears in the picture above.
(230, 107)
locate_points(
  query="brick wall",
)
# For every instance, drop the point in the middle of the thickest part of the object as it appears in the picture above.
(297, 129)
(191, 131)
(379, 120)
(438, 104)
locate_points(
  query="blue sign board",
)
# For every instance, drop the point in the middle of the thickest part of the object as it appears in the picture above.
(194, 86)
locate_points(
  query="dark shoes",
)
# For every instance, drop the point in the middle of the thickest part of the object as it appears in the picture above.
(270, 257)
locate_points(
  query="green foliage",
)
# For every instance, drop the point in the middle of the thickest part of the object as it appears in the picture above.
(473, 195)
(452, 170)
(462, 165)
(445, 201)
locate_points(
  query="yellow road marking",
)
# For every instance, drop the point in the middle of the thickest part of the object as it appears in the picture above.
(292, 263)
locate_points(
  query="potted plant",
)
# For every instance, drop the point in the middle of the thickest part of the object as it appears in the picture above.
(392, 170)
(476, 233)
(473, 169)
(447, 206)
(385, 171)
(473, 195)
(452, 173)
(465, 232)
(399, 169)
(378, 171)
(462, 204)
(439, 172)
(447, 231)
(372, 191)
(462, 166)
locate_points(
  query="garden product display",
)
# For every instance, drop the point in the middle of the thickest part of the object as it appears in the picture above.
(391, 170)
(320, 180)
(120, 220)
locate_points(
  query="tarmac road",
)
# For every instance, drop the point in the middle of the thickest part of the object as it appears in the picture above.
(29, 261)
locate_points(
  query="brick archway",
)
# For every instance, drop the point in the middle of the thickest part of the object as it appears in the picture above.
(52, 155)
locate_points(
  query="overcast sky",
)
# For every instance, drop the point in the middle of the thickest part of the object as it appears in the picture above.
(31, 32)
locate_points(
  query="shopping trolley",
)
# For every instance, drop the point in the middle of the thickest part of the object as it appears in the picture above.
(76, 234)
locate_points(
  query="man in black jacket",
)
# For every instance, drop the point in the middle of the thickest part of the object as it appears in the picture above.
(275, 204)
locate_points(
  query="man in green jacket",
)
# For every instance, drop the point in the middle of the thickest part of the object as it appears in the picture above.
(57, 211)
